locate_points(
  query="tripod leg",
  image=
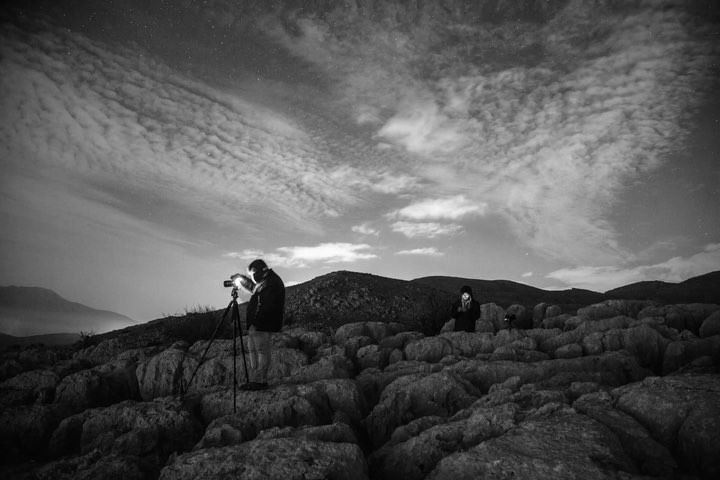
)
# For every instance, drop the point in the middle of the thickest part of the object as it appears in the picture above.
(234, 322)
(236, 316)
(212, 339)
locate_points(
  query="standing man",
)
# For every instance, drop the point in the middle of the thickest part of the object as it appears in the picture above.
(265, 312)
(465, 311)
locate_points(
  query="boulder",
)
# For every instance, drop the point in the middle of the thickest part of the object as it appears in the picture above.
(469, 344)
(494, 314)
(316, 403)
(562, 444)
(556, 321)
(26, 430)
(335, 432)
(415, 457)
(652, 457)
(523, 317)
(539, 314)
(103, 352)
(400, 340)
(553, 311)
(332, 366)
(682, 412)
(571, 350)
(371, 356)
(413, 396)
(375, 330)
(162, 374)
(611, 368)
(711, 325)
(94, 465)
(99, 386)
(28, 387)
(428, 349)
(684, 352)
(614, 308)
(150, 431)
(286, 458)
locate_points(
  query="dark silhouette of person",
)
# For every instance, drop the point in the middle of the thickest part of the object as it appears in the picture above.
(465, 311)
(265, 311)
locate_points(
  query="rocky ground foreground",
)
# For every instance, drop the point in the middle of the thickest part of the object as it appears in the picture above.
(620, 390)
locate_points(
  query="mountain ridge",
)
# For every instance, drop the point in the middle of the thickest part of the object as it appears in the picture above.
(38, 311)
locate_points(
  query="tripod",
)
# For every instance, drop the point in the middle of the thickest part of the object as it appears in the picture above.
(232, 308)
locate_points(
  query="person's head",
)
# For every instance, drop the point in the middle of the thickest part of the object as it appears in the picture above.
(466, 293)
(256, 270)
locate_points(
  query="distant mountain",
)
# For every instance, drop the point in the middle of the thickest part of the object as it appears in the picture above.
(47, 340)
(701, 289)
(26, 311)
(506, 292)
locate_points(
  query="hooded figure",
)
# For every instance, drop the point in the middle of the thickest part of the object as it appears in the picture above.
(465, 311)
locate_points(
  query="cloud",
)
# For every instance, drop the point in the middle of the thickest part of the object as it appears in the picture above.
(115, 117)
(366, 229)
(676, 269)
(426, 229)
(527, 275)
(546, 122)
(451, 208)
(423, 128)
(304, 256)
(428, 251)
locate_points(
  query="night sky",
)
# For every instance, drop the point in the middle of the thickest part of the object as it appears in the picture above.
(150, 149)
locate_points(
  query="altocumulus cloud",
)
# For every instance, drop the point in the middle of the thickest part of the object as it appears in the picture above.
(545, 122)
(116, 118)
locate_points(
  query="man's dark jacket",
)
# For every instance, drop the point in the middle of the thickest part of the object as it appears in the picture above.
(267, 304)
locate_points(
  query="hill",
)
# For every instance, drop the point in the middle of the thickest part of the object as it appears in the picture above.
(505, 292)
(700, 289)
(28, 311)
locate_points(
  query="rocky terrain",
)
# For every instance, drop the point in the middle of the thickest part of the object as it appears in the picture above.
(619, 389)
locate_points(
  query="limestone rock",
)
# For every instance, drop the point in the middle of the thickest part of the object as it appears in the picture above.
(334, 432)
(28, 387)
(652, 457)
(429, 349)
(563, 445)
(684, 352)
(149, 430)
(415, 457)
(571, 350)
(99, 386)
(414, 396)
(711, 325)
(682, 412)
(317, 403)
(539, 314)
(495, 314)
(25, 430)
(553, 311)
(469, 344)
(162, 374)
(94, 465)
(285, 458)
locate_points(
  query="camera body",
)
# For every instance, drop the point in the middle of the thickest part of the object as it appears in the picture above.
(239, 281)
